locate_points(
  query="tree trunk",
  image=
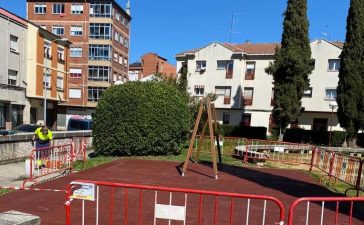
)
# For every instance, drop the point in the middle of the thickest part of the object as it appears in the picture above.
(351, 142)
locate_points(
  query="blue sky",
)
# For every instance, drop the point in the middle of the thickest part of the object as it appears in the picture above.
(171, 26)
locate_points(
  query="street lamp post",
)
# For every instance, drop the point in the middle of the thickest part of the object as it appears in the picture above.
(333, 106)
(48, 48)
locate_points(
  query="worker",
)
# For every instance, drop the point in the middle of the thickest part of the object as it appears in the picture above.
(42, 138)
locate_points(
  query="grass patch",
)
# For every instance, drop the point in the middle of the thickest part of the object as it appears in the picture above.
(5, 191)
(93, 162)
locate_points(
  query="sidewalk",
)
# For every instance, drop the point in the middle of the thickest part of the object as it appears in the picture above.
(12, 174)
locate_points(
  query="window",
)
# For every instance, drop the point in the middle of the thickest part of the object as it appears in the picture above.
(100, 9)
(116, 36)
(225, 92)
(227, 65)
(121, 60)
(100, 52)
(76, 30)
(60, 83)
(95, 93)
(125, 62)
(334, 64)
(225, 118)
(250, 71)
(319, 124)
(308, 93)
(126, 43)
(246, 120)
(60, 55)
(98, 73)
(40, 8)
(117, 16)
(115, 57)
(76, 9)
(75, 93)
(123, 20)
(75, 52)
(330, 94)
(121, 39)
(199, 90)
(58, 8)
(12, 77)
(100, 30)
(75, 72)
(13, 43)
(200, 66)
(58, 30)
(47, 49)
(47, 80)
(248, 96)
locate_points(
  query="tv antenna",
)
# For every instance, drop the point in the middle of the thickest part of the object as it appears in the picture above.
(233, 20)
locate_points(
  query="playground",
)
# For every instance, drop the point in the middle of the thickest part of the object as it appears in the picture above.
(285, 185)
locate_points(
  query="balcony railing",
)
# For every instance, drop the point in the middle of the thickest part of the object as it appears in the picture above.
(229, 74)
(247, 101)
(227, 100)
(249, 75)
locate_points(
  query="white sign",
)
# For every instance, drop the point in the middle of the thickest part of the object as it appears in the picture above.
(83, 191)
(279, 149)
(170, 212)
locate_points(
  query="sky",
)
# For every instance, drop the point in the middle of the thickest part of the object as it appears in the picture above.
(167, 27)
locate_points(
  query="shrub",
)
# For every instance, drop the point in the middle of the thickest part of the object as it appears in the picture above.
(247, 132)
(314, 137)
(138, 118)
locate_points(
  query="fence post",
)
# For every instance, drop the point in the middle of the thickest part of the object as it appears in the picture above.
(332, 154)
(313, 157)
(359, 178)
(246, 154)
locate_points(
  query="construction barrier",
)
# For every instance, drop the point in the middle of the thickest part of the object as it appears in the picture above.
(94, 202)
(263, 150)
(79, 148)
(326, 211)
(49, 160)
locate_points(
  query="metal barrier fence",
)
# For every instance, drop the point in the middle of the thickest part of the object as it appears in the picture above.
(79, 146)
(49, 160)
(326, 211)
(348, 169)
(93, 202)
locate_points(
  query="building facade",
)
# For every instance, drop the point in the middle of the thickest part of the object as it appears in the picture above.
(236, 73)
(47, 75)
(13, 33)
(99, 31)
(150, 64)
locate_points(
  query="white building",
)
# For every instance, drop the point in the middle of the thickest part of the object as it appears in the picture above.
(236, 73)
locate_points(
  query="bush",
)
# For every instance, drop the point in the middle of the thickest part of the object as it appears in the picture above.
(138, 118)
(247, 132)
(314, 137)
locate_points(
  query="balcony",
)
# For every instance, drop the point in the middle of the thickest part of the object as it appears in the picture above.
(229, 74)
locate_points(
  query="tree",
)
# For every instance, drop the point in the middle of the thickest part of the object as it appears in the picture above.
(140, 118)
(292, 64)
(350, 94)
(182, 82)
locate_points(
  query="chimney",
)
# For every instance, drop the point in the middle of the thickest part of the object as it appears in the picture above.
(128, 7)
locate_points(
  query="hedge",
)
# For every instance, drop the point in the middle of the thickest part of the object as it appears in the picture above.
(247, 132)
(140, 118)
(315, 137)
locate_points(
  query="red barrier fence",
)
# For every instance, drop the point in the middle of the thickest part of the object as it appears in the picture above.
(348, 169)
(329, 210)
(93, 202)
(54, 159)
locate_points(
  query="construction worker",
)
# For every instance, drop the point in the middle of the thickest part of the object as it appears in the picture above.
(42, 137)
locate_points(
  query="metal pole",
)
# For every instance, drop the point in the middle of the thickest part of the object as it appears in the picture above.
(45, 86)
(332, 112)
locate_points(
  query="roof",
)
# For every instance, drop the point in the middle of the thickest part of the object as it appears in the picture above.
(253, 48)
(14, 17)
(248, 48)
(136, 64)
(153, 53)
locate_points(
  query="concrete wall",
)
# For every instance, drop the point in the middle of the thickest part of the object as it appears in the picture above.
(19, 146)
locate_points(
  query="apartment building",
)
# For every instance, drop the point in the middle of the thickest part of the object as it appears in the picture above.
(236, 73)
(13, 33)
(150, 64)
(47, 75)
(99, 31)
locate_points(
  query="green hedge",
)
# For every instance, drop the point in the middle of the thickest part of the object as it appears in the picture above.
(138, 118)
(246, 132)
(315, 137)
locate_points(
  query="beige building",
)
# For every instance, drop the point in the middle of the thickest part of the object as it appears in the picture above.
(236, 73)
(47, 74)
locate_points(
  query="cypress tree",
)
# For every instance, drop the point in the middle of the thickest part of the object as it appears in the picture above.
(292, 64)
(182, 82)
(350, 90)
